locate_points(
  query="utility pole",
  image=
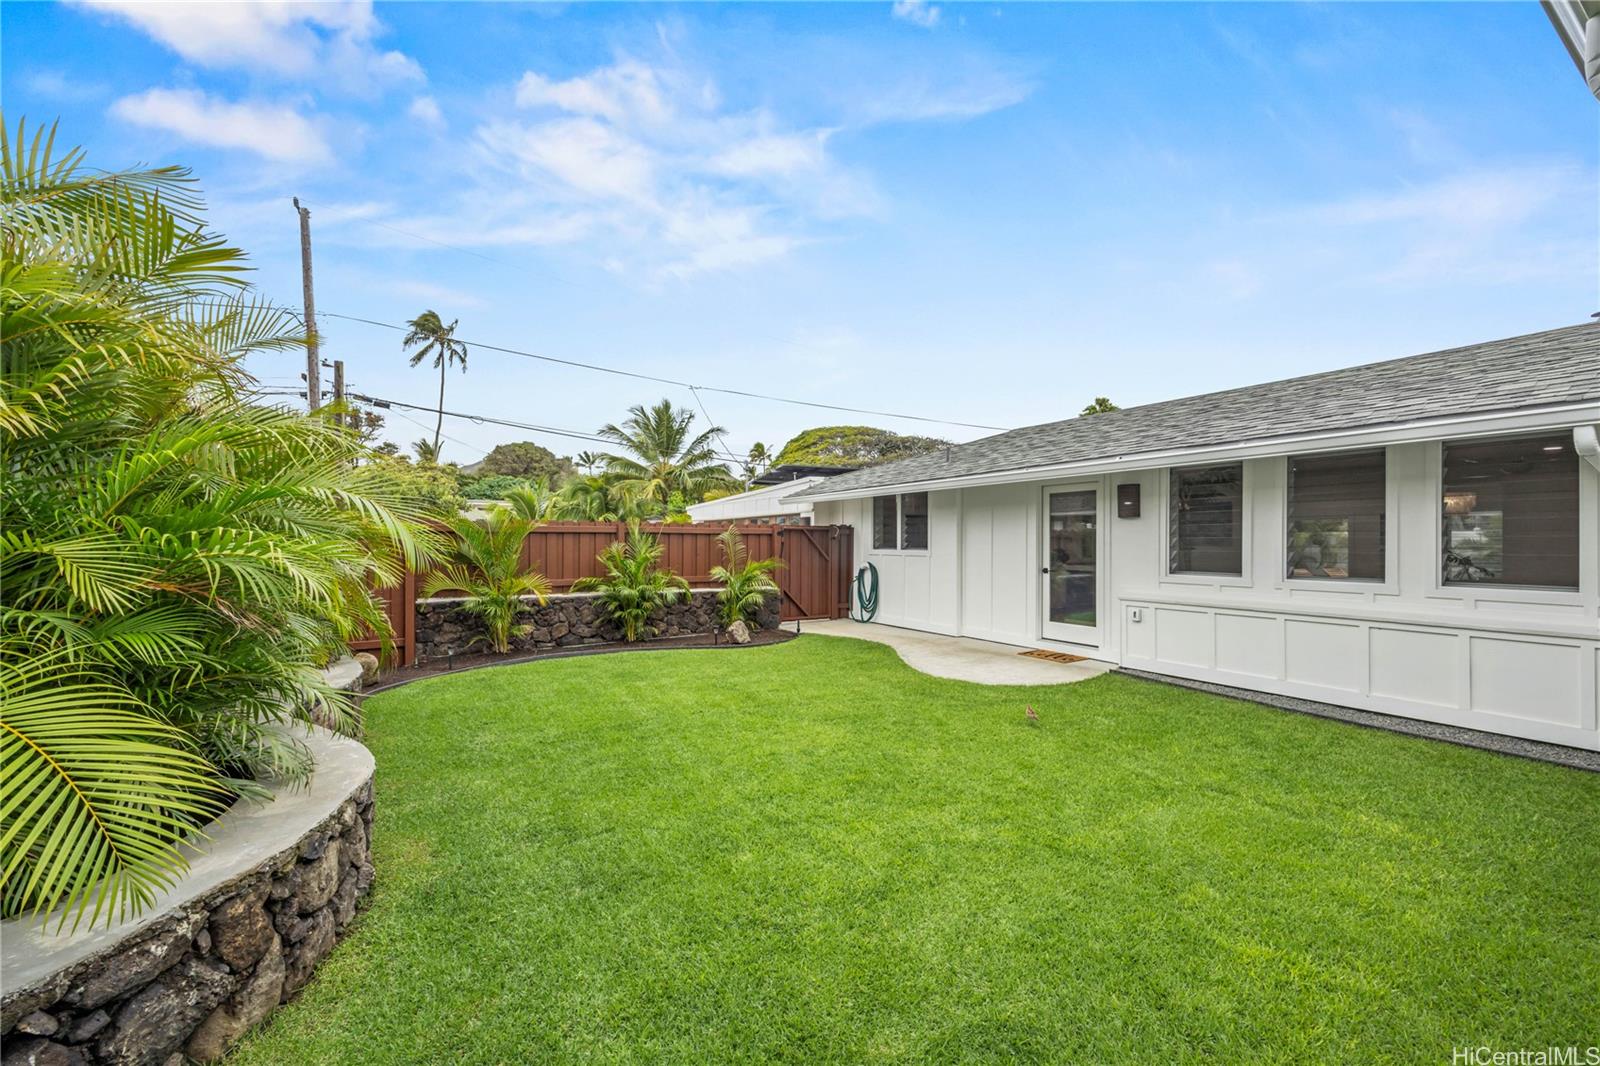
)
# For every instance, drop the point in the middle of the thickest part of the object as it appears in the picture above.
(343, 416)
(313, 367)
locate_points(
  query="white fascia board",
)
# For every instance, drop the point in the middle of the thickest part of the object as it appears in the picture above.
(1493, 423)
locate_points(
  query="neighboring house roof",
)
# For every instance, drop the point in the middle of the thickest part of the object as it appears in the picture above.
(766, 500)
(1556, 367)
(787, 472)
(1578, 24)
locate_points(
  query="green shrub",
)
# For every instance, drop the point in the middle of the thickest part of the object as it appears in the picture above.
(634, 586)
(176, 559)
(746, 583)
(492, 487)
(485, 563)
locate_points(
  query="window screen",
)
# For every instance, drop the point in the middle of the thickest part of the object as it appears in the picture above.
(914, 520)
(1336, 516)
(1510, 512)
(1206, 520)
(885, 522)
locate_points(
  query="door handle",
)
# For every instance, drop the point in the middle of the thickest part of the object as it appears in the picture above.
(1044, 570)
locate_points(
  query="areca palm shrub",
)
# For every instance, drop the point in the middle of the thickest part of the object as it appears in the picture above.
(485, 564)
(745, 582)
(634, 585)
(176, 559)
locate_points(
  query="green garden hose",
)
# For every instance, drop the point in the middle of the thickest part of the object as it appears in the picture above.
(866, 594)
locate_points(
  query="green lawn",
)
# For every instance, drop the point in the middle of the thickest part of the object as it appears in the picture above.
(810, 852)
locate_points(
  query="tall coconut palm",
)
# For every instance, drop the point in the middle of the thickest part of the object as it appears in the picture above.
(661, 457)
(426, 451)
(756, 462)
(438, 340)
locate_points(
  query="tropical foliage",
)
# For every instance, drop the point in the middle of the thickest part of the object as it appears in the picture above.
(535, 502)
(485, 563)
(431, 337)
(176, 559)
(745, 582)
(1099, 406)
(661, 455)
(526, 460)
(853, 446)
(635, 586)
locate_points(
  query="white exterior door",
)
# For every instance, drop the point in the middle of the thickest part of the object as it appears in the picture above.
(1071, 572)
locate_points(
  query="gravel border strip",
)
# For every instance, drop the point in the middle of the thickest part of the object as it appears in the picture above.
(1558, 754)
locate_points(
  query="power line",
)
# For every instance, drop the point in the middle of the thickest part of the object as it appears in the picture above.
(672, 381)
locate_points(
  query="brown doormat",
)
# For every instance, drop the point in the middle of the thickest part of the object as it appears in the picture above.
(1053, 656)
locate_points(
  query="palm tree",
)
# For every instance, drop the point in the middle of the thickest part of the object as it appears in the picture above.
(634, 586)
(486, 564)
(662, 457)
(427, 450)
(177, 559)
(745, 583)
(439, 341)
(756, 462)
(534, 502)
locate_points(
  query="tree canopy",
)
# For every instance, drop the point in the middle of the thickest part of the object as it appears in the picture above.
(853, 446)
(527, 460)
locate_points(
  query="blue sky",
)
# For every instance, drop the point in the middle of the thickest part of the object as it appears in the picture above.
(978, 212)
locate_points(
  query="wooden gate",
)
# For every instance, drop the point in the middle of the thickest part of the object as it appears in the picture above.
(815, 577)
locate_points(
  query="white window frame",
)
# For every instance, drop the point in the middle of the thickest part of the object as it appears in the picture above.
(1244, 578)
(899, 524)
(1473, 595)
(1390, 582)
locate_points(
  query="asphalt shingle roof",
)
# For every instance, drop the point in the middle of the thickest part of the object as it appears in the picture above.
(1554, 367)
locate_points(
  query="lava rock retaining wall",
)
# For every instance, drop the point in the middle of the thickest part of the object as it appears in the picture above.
(193, 981)
(445, 627)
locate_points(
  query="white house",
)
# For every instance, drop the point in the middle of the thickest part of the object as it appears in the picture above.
(766, 503)
(1417, 537)
(775, 497)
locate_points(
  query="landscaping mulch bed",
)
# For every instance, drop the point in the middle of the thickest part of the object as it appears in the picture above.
(400, 675)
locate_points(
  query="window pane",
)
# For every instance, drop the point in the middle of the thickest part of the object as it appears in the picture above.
(883, 522)
(1511, 512)
(1207, 521)
(914, 508)
(1336, 515)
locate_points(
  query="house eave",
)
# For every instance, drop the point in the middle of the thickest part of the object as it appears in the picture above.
(1491, 423)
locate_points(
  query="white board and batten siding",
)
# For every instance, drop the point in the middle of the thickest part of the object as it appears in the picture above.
(1523, 662)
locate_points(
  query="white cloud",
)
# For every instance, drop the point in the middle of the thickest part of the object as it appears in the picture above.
(919, 12)
(331, 40)
(425, 109)
(646, 165)
(774, 154)
(627, 93)
(1478, 199)
(585, 157)
(273, 132)
(644, 157)
(434, 295)
(950, 95)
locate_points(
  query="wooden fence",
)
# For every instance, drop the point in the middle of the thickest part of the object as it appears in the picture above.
(813, 581)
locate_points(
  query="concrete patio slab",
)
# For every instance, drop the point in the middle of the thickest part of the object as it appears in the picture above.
(960, 658)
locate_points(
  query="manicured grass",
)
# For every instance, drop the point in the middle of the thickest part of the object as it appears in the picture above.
(810, 852)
